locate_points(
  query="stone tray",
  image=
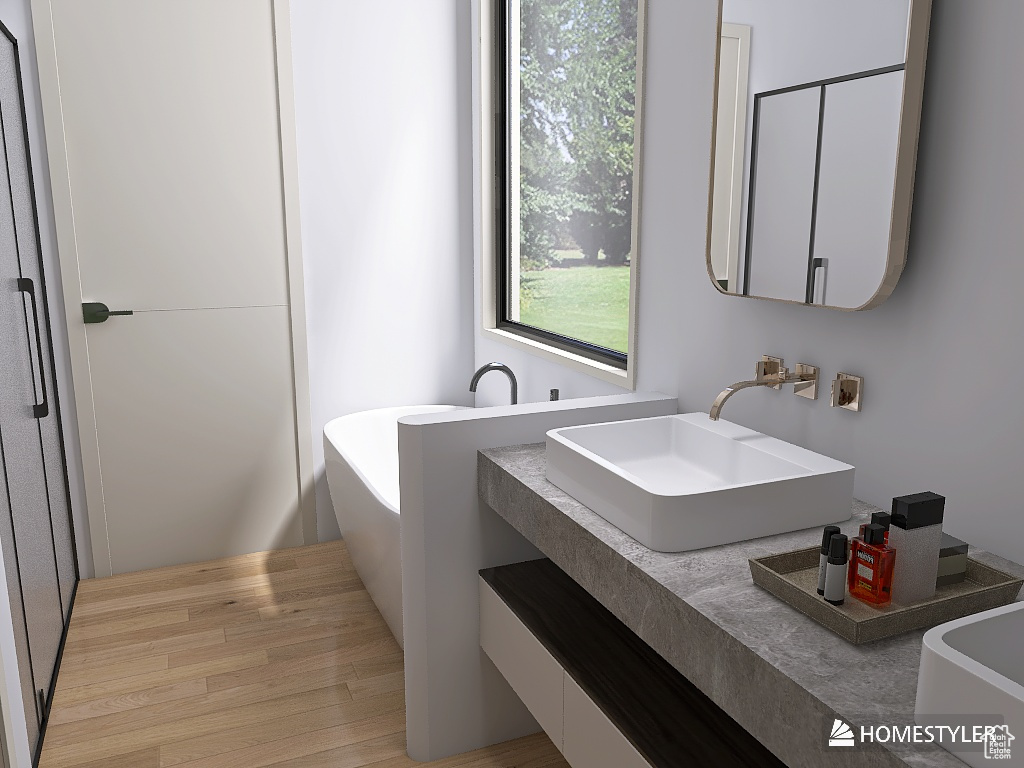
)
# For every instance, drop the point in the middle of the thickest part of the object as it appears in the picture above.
(793, 578)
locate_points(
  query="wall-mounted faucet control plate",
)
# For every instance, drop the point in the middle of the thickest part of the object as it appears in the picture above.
(809, 386)
(770, 366)
(847, 392)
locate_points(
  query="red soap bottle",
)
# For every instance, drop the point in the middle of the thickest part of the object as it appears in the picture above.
(871, 566)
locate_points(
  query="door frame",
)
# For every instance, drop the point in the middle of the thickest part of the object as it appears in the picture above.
(67, 246)
(730, 218)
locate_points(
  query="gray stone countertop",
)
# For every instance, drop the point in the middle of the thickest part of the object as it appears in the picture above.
(779, 674)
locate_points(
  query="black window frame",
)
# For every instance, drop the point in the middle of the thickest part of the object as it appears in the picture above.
(502, 226)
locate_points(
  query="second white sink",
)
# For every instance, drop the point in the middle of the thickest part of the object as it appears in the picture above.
(972, 674)
(682, 482)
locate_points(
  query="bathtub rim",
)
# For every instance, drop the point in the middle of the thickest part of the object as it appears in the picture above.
(401, 411)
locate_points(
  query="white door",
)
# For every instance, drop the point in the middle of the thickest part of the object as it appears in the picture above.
(171, 145)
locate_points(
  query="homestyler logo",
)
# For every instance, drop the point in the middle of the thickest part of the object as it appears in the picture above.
(842, 735)
(991, 742)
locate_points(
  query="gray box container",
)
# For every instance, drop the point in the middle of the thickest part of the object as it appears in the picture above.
(917, 563)
(916, 534)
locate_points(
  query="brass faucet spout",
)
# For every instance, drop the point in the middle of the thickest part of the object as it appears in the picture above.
(806, 379)
(725, 394)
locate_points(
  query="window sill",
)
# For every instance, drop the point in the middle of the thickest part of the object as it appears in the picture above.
(603, 371)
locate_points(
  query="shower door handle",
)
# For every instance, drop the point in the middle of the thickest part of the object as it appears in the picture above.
(41, 409)
(98, 312)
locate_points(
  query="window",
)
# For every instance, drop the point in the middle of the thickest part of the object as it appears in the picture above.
(568, 110)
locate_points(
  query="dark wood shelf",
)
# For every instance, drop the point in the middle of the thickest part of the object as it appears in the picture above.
(669, 721)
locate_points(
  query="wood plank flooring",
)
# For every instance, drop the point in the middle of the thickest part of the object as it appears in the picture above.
(277, 659)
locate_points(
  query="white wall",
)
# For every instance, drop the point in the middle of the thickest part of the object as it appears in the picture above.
(396, 179)
(941, 357)
(383, 130)
(383, 117)
(16, 15)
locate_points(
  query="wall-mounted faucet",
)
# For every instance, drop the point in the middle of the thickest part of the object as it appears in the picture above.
(771, 373)
(496, 367)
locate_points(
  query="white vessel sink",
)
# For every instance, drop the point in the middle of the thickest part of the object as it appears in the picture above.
(682, 482)
(972, 670)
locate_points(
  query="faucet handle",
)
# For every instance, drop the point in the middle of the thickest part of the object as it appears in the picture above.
(771, 367)
(807, 386)
(847, 392)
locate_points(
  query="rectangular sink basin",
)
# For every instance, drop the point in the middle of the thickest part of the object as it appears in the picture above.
(971, 674)
(682, 482)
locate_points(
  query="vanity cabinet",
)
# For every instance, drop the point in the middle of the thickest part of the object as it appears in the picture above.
(570, 718)
(590, 738)
(603, 696)
(533, 673)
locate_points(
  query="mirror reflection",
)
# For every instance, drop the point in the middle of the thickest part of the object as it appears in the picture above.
(808, 134)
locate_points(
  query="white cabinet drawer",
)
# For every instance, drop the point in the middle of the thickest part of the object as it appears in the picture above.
(590, 739)
(532, 672)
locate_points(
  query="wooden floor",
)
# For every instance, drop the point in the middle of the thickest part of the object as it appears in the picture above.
(275, 659)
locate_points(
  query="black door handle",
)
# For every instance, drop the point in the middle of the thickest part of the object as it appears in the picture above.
(98, 312)
(42, 409)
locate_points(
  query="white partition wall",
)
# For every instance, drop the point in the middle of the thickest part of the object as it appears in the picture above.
(456, 700)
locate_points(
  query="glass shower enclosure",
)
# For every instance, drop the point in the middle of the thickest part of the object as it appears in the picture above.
(36, 536)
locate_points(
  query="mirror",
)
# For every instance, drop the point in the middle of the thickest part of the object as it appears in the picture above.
(816, 127)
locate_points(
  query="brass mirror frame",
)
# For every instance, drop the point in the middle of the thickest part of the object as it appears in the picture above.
(919, 23)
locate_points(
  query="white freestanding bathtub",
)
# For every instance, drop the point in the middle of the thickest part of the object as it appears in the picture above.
(361, 452)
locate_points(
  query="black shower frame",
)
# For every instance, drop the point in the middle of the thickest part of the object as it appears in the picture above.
(42, 712)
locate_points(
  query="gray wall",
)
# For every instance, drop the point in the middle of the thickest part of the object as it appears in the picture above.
(387, 256)
(17, 17)
(942, 357)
